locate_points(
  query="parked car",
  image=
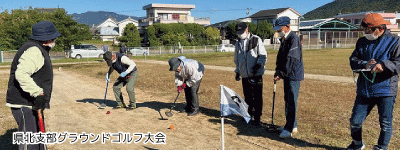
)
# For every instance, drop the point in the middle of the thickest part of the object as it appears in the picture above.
(85, 51)
(139, 51)
(225, 48)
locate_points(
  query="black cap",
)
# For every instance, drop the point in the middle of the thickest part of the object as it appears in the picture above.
(241, 27)
(174, 63)
(107, 57)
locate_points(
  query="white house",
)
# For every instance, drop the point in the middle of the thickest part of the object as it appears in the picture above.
(272, 14)
(171, 13)
(111, 28)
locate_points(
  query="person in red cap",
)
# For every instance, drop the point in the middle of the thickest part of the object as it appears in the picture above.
(31, 80)
(377, 58)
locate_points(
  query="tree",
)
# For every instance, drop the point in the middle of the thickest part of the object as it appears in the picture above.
(212, 35)
(151, 35)
(264, 29)
(16, 27)
(131, 36)
(231, 31)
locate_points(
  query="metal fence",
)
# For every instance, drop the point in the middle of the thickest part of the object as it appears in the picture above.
(173, 50)
(329, 39)
(309, 40)
(8, 56)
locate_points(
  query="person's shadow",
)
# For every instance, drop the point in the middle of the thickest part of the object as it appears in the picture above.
(235, 120)
(264, 131)
(98, 102)
(6, 140)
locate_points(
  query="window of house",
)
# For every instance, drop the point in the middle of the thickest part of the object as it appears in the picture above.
(183, 17)
(163, 16)
(175, 16)
(294, 22)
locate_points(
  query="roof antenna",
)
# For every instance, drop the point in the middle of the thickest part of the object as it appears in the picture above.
(248, 11)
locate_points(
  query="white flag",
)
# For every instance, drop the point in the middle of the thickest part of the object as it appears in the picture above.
(232, 103)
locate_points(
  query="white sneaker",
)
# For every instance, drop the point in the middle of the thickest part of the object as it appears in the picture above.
(285, 134)
(294, 129)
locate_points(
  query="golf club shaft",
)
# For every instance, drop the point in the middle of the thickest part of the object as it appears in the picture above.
(175, 100)
(273, 103)
(41, 124)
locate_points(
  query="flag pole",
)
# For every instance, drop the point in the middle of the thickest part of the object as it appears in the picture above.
(222, 133)
(222, 122)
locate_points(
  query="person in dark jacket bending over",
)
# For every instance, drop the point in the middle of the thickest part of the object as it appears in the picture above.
(289, 67)
(31, 80)
(378, 51)
(250, 58)
(128, 75)
(188, 76)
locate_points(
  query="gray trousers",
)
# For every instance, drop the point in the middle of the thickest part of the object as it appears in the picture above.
(192, 98)
(130, 84)
(27, 120)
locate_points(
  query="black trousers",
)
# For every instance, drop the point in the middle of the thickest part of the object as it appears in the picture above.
(252, 90)
(192, 99)
(27, 120)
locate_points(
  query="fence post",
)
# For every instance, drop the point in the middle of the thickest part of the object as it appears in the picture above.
(339, 39)
(309, 39)
(1, 55)
(205, 49)
(345, 40)
(160, 50)
(325, 40)
(194, 50)
(333, 38)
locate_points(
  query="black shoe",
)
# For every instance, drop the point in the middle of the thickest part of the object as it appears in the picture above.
(193, 113)
(353, 146)
(255, 122)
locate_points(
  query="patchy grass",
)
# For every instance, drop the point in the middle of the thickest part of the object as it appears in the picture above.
(324, 108)
(324, 61)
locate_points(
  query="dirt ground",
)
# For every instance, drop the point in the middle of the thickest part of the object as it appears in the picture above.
(74, 109)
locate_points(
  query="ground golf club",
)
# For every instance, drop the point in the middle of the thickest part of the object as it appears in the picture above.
(169, 113)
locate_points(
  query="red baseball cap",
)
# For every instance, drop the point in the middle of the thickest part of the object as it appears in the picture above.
(373, 19)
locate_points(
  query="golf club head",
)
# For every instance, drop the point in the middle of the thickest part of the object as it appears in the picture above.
(169, 113)
(102, 106)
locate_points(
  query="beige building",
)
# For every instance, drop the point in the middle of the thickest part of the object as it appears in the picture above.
(170, 13)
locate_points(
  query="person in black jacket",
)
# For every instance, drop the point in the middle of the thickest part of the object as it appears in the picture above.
(31, 80)
(123, 49)
(128, 75)
(289, 67)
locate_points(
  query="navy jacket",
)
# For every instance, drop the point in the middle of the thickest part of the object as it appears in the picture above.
(289, 61)
(385, 51)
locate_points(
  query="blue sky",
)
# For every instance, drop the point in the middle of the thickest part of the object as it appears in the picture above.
(217, 10)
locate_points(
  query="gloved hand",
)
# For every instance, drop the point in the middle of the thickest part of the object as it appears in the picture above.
(237, 77)
(39, 102)
(123, 74)
(107, 78)
(255, 68)
(180, 88)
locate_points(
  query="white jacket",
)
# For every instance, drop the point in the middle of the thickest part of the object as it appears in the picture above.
(192, 72)
(246, 59)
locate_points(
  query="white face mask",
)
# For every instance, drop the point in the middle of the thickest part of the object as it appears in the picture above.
(51, 45)
(282, 34)
(371, 36)
(242, 36)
